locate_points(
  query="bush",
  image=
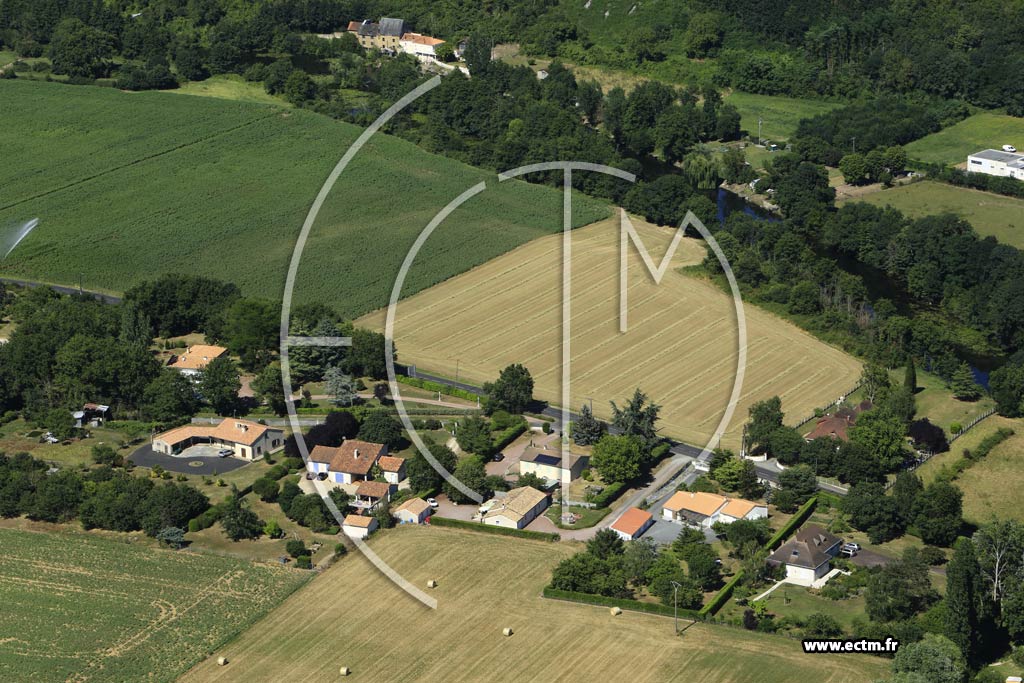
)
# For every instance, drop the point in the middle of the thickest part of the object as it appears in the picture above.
(509, 435)
(955, 427)
(304, 562)
(340, 550)
(932, 555)
(296, 548)
(546, 428)
(608, 495)
(293, 463)
(622, 603)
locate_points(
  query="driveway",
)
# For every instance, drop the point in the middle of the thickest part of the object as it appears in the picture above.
(145, 456)
(509, 465)
(869, 558)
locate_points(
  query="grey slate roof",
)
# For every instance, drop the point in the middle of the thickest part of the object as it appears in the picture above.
(392, 27)
(808, 548)
(998, 155)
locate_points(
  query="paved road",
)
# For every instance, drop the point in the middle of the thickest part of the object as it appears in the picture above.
(63, 289)
(683, 453)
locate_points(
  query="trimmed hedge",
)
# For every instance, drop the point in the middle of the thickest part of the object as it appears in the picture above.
(799, 518)
(950, 472)
(774, 542)
(509, 435)
(609, 495)
(437, 386)
(622, 603)
(498, 530)
(716, 603)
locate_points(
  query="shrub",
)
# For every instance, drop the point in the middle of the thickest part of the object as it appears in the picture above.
(955, 427)
(296, 548)
(546, 428)
(304, 562)
(293, 463)
(340, 550)
(932, 555)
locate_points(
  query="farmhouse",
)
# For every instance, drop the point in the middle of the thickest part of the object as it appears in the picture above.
(413, 511)
(371, 494)
(517, 508)
(701, 509)
(807, 556)
(383, 35)
(548, 465)
(632, 524)
(997, 162)
(837, 425)
(359, 526)
(392, 468)
(420, 45)
(348, 463)
(196, 358)
(249, 440)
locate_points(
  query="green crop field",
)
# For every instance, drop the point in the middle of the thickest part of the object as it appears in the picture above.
(84, 608)
(130, 185)
(989, 214)
(982, 131)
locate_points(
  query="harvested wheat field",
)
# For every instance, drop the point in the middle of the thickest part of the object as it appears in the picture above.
(352, 616)
(680, 347)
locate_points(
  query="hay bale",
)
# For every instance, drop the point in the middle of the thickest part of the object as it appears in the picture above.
(616, 611)
(221, 661)
(431, 584)
(506, 631)
(344, 671)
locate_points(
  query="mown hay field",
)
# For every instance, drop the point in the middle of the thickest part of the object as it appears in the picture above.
(680, 347)
(353, 616)
(127, 186)
(85, 608)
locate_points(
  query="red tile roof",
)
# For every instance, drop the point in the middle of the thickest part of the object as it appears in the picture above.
(632, 521)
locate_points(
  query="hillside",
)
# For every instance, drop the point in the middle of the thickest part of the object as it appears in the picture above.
(128, 186)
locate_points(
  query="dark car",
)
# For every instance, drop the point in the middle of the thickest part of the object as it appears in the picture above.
(498, 457)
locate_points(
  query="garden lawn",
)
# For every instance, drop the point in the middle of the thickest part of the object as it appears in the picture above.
(936, 402)
(230, 87)
(991, 485)
(779, 115)
(14, 438)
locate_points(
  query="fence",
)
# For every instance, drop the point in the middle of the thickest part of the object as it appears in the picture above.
(824, 409)
(963, 430)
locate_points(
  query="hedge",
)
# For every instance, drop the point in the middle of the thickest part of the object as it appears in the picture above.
(795, 521)
(489, 529)
(623, 603)
(509, 435)
(950, 472)
(610, 493)
(774, 542)
(716, 603)
(437, 386)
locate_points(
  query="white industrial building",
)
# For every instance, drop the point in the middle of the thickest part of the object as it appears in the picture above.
(997, 162)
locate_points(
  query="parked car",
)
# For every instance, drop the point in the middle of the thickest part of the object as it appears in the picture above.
(847, 552)
(322, 476)
(432, 502)
(1009, 148)
(309, 476)
(225, 452)
(852, 546)
(498, 457)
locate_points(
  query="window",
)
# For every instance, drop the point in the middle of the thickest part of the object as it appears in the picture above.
(975, 161)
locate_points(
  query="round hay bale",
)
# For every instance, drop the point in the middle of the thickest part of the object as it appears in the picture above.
(616, 611)
(506, 631)
(344, 671)
(431, 584)
(221, 661)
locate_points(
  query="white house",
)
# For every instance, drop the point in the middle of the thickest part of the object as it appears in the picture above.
(517, 508)
(248, 440)
(393, 468)
(632, 524)
(704, 509)
(348, 463)
(737, 508)
(549, 466)
(195, 359)
(359, 526)
(997, 162)
(419, 45)
(806, 556)
(413, 511)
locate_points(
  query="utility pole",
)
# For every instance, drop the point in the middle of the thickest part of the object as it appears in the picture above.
(854, 140)
(758, 132)
(675, 605)
(456, 369)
